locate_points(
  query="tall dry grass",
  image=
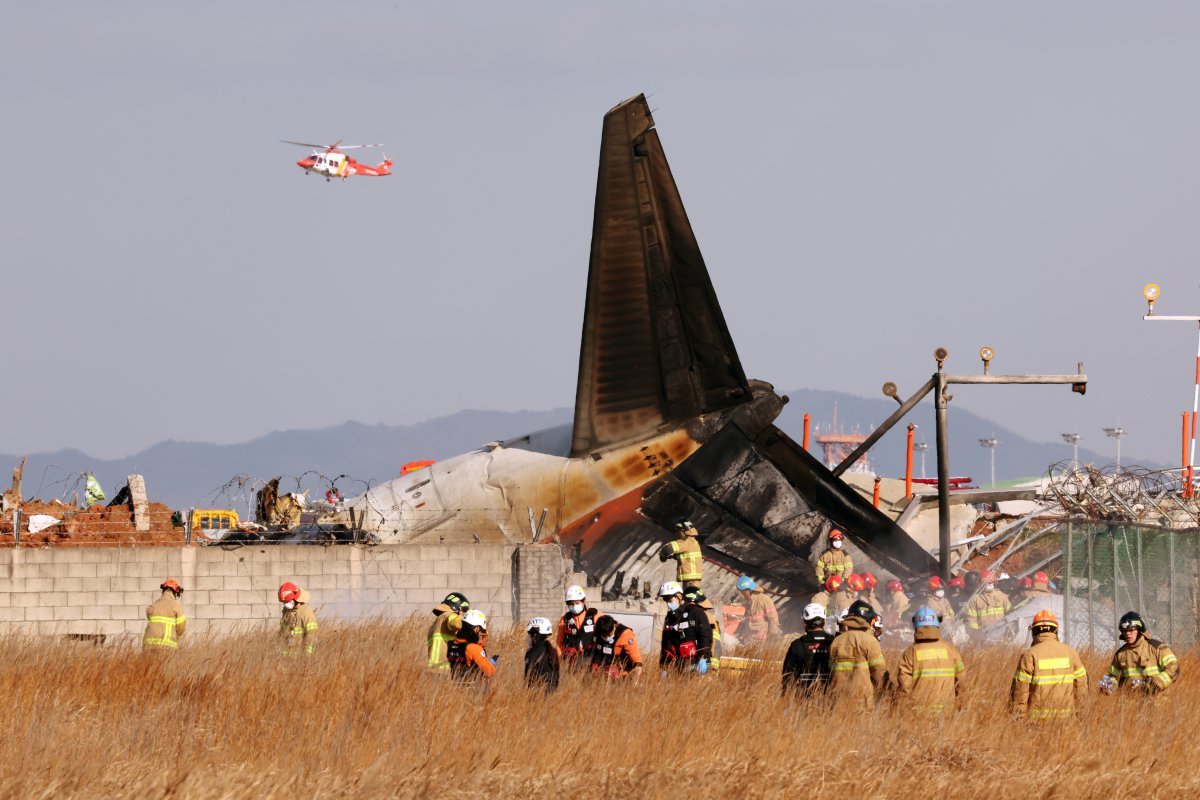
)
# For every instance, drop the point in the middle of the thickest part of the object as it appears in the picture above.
(230, 718)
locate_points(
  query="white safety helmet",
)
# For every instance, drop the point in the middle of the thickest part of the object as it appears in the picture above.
(574, 593)
(670, 589)
(475, 617)
(540, 625)
(814, 611)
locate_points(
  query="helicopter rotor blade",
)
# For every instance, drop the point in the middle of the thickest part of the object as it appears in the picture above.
(357, 146)
(305, 144)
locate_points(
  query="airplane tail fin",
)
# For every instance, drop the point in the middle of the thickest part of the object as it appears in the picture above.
(655, 347)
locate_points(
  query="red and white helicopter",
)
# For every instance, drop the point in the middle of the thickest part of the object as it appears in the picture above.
(330, 161)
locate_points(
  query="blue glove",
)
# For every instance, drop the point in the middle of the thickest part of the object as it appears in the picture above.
(494, 660)
(702, 666)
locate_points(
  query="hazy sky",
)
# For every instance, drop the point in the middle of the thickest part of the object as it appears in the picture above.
(867, 181)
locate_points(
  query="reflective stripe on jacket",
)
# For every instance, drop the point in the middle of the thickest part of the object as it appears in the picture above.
(298, 630)
(1146, 660)
(986, 609)
(833, 562)
(1050, 681)
(762, 616)
(165, 622)
(687, 551)
(856, 662)
(441, 633)
(929, 678)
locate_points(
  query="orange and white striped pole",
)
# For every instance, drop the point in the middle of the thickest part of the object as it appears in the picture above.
(1183, 458)
(1152, 293)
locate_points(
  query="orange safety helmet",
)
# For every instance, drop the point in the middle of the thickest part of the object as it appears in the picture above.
(855, 582)
(836, 535)
(832, 583)
(173, 585)
(870, 580)
(289, 592)
(958, 582)
(895, 586)
(935, 583)
(1044, 619)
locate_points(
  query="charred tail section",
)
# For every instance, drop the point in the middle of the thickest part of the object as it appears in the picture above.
(656, 349)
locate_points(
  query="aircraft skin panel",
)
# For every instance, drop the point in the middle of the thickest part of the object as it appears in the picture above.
(655, 348)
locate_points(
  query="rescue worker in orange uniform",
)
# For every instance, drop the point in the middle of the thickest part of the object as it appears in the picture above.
(298, 625)
(935, 598)
(868, 594)
(541, 655)
(761, 615)
(929, 678)
(806, 665)
(577, 628)
(165, 621)
(835, 560)
(686, 635)
(686, 552)
(1141, 665)
(897, 602)
(1050, 681)
(988, 607)
(698, 597)
(469, 661)
(616, 654)
(447, 617)
(847, 593)
(856, 663)
(824, 598)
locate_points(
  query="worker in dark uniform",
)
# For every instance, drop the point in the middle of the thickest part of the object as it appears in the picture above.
(687, 636)
(806, 665)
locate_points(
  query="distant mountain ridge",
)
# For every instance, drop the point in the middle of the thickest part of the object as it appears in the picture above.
(186, 474)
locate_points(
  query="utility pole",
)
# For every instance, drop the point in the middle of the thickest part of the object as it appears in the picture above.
(921, 447)
(990, 444)
(1073, 440)
(1152, 292)
(1116, 433)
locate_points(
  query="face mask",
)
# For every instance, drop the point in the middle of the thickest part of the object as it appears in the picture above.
(940, 593)
(289, 605)
(576, 608)
(673, 605)
(837, 544)
(989, 587)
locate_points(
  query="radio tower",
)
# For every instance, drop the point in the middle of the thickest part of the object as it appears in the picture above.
(838, 445)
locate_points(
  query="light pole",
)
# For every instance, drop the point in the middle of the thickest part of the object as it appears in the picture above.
(1152, 292)
(1116, 433)
(921, 447)
(1073, 440)
(990, 444)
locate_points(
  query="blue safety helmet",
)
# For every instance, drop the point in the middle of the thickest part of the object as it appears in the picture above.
(746, 582)
(926, 617)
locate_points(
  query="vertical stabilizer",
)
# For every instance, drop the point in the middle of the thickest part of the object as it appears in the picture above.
(655, 346)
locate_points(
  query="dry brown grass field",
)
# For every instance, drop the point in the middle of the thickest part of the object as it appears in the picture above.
(229, 718)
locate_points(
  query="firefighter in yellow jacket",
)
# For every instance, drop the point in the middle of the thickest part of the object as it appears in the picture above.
(930, 676)
(298, 626)
(1050, 681)
(686, 552)
(856, 664)
(762, 618)
(935, 598)
(1141, 665)
(165, 621)
(447, 619)
(988, 607)
(835, 561)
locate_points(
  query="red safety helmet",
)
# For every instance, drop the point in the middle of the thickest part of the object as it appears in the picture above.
(986, 576)
(870, 580)
(935, 583)
(835, 535)
(1041, 577)
(832, 583)
(895, 586)
(855, 582)
(1026, 583)
(958, 582)
(173, 585)
(289, 592)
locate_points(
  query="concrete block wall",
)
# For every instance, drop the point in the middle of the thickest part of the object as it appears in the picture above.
(106, 590)
(542, 574)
